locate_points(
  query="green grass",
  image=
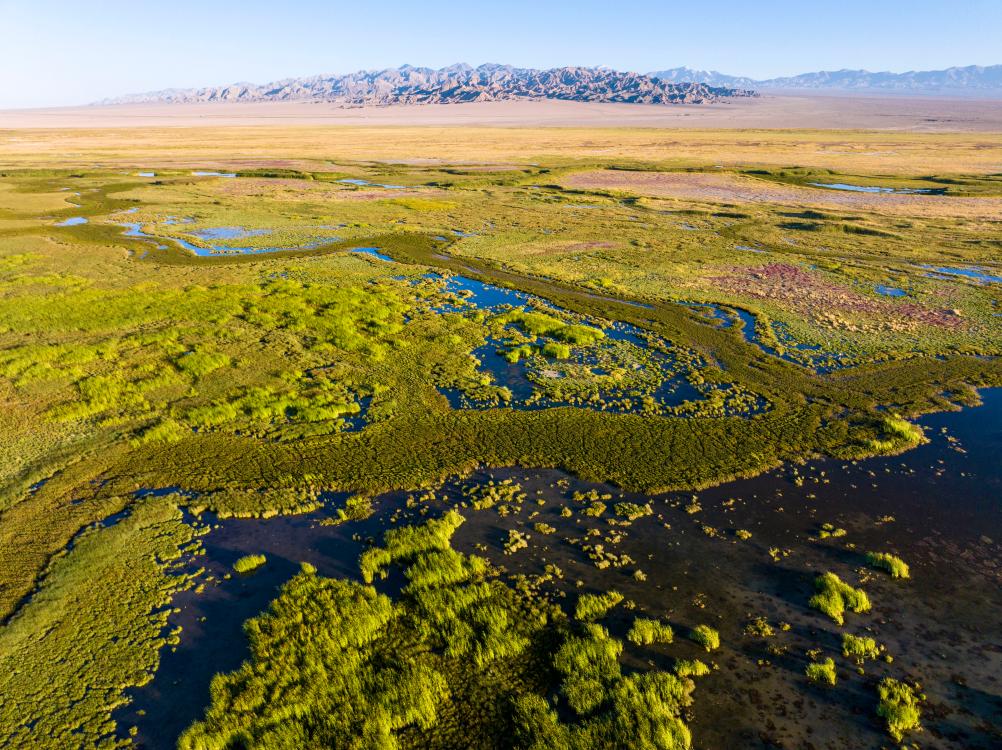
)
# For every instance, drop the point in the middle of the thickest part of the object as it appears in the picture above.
(691, 668)
(646, 631)
(706, 637)
(860, 648)
(894, 565)
(471, 660)
(899, 707)
(822, 673)
(834, 597)
(596, 606)
(249, 563)
(93, 628)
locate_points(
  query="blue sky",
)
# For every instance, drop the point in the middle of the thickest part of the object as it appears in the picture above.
(55, 52)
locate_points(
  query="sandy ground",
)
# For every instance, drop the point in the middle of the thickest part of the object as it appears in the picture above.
(768, 111)
(729, 188)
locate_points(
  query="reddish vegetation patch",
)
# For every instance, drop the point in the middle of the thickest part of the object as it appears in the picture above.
(824, 302)
(729, 188)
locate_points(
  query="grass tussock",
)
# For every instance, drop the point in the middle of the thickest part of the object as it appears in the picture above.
(834, 597)
(899, 706)
(823, 672)
(892, 564)
(249, 563)
(592, 607)
(706, 637)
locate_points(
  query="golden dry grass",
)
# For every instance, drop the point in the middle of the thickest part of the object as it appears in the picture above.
(322, 147)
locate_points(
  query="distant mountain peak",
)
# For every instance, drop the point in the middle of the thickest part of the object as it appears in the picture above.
(970, 79)
(455, 83)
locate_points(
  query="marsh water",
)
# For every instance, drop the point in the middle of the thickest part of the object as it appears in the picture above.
(877, 189)
(890, 291)
(978, 274)
(211, 235)
(938, 506)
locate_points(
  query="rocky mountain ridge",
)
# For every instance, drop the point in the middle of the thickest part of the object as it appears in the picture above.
(456, 83)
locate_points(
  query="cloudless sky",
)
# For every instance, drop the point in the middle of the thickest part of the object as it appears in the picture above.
(55, 52)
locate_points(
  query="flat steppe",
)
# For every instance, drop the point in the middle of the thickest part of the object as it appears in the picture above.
(931, 114)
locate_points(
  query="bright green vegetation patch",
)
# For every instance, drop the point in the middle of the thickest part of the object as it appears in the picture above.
(596, 606)
(249, 563)
(458, 659)
(691, 668)
(893, 564)
(831, 531)
(822, 672)
(541, 324)
(503, 495)
(897, 433)
(860, 648)
(92, 629)
(632, 511)
(646, 631)
(355, 508)
(899, 707)
(834, 597)
(706, 637)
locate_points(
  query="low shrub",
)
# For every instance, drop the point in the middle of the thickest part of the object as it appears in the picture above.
(706, 637)
(859, 648)
(823, 672)
(834, 597)
(894, 565)
(645, 631)
(595, 606)
(899, 707)
(247, 563)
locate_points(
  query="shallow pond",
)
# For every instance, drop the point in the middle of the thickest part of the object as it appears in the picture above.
(526, 378)
(978, 274)
(811, 356)
(228, 233)
(135, 230)
(73, 221)
(213, 174)
(890, 291)
(875, 189)
(374, 253)
(938, 506)
(366, 183)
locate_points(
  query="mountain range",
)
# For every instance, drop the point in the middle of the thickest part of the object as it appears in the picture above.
(456, 83)
(490, 83)
(971, 79)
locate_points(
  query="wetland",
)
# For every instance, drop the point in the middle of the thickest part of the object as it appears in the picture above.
(577, 452)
